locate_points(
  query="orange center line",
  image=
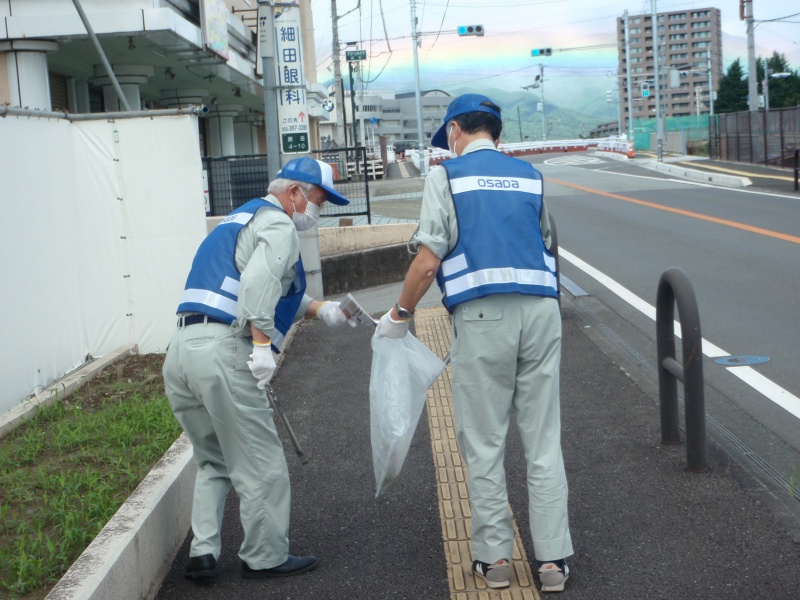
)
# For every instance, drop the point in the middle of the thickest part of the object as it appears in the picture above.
(767, 232)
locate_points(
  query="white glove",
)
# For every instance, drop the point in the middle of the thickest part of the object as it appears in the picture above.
(262, 364)
(389, 328)
(333, 315)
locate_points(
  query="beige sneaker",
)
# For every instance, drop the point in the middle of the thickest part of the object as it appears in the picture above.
(495, 575)
(552, 577)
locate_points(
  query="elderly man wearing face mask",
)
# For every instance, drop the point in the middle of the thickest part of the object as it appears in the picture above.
(245, 288)
(484, 235)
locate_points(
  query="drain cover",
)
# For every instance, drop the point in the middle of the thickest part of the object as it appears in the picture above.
(741, 361)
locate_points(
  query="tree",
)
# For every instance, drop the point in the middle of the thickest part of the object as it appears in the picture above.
(732, 90)
(783, 91)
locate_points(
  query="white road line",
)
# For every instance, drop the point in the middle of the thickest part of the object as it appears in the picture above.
(748, 375)
(574, 160)
(697, 183)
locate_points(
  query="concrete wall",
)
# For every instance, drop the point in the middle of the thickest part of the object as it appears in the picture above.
(361, 269)
(358, 257)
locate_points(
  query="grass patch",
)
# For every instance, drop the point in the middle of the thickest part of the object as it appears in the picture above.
(65, 473)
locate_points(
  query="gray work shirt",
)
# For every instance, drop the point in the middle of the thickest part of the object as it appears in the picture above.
(266, 251)
(438, 226)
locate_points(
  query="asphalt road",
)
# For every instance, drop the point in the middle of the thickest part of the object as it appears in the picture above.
(741, 251)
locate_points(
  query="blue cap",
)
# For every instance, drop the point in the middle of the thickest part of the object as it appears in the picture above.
(313, 171)
(463, 104)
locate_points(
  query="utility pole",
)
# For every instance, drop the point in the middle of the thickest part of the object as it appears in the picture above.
(337, 77)
(544, 121)
(628, 77)
(519, 122)
(423, 164)
(266, 33)
(710, 86)
(657, 68)
(752, 82)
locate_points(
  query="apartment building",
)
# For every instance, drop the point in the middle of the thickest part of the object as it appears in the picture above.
(689, 43)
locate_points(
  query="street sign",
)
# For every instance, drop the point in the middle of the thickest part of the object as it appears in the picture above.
(290, 81)
(352, 55)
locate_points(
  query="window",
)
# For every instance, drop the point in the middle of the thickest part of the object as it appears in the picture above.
(391, 110)
(701, 34)
(635, 30)
(678, 17)
(701, 13)
(678, 46)
(701, 44)
(636, 40)
(701, 25)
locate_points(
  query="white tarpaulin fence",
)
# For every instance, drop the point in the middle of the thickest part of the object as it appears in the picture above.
(100, 222)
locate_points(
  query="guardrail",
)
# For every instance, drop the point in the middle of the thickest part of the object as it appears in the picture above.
(436, 155)
(674, 287)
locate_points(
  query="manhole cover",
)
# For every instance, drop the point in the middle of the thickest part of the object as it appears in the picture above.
(741, 361)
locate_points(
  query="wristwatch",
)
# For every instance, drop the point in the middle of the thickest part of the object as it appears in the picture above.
(402, 312)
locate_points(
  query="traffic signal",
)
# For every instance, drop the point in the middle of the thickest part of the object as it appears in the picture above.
(645, 90)
(470, 30)
(609, 96)
(542, 52)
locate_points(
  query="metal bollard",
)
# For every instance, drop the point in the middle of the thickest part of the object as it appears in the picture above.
(674, 287)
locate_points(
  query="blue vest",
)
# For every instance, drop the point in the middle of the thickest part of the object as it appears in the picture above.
(212, 287)
(498, 203)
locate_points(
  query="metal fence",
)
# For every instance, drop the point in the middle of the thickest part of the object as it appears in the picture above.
(234, 180)
(351, 175)
(768, 137)
(691, 129)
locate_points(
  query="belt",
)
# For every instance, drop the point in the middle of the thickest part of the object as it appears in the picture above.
(198, 318)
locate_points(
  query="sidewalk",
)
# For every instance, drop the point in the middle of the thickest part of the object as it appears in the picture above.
(642, 526)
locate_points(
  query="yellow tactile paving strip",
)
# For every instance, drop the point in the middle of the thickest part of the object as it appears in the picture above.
(433, 328)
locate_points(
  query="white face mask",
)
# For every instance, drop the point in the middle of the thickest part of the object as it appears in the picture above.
(307, 219)
(453, 147)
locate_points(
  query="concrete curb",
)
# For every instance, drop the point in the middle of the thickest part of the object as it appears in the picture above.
(135, 549)
(72, 382)
(681, 171)
(695, 175)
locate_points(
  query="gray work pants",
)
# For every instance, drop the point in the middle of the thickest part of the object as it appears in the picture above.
(506, 354)
(229, 422)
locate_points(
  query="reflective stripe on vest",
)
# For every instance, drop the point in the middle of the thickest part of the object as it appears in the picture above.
(498, 205)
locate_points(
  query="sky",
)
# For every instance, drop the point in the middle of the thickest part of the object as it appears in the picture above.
(580, 32)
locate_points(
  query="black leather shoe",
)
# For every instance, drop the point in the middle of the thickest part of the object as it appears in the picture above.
(201, 567)
(294, 565)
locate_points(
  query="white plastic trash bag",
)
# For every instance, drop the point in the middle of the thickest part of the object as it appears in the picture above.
(402, 371)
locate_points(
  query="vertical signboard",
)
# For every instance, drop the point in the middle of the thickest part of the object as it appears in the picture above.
(290, 80)
(214, 24)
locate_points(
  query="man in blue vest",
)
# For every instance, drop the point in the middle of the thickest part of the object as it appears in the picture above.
(244, 290)
(484, 235)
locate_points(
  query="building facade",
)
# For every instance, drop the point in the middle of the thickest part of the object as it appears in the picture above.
(689, 43)
(391, 115)
(164, 54)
